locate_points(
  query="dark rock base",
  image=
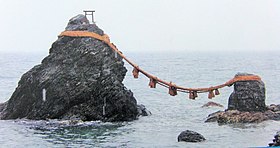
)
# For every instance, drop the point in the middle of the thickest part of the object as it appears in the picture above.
(235, 116)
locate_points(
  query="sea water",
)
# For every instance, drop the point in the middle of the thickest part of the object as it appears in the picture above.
(170, 115)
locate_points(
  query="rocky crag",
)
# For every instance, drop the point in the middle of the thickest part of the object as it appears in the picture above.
(81, 78)
(246, 105)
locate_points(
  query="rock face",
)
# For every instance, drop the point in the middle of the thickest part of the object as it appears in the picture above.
(190, 136)
(247, 96)
(79, 79)
(246, 105)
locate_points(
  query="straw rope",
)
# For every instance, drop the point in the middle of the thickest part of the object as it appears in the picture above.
(173, 88)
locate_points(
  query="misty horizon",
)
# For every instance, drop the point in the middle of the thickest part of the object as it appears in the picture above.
(154, 26)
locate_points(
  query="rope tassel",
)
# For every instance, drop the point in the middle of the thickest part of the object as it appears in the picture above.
(195, 94)
(211, 94)
(191, 95)
(152, 83)
(172, 90)
(135, 72)
(217, 92)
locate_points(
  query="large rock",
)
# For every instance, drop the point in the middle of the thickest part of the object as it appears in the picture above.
(247, 96)
(79, 79)
(190, 136)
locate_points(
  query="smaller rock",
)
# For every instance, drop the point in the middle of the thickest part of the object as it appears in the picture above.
(276, 140)
(190, 136)
(212, 104)
(142, 111)
(248, 95)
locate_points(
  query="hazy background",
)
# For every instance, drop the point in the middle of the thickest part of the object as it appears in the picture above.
(147, 25)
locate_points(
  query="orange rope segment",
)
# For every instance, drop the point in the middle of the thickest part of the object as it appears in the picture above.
(173, 88)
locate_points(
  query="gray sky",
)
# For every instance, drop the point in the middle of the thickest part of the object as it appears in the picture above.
(147, 25)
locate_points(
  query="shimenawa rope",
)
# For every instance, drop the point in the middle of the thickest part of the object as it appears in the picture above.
(173, 88)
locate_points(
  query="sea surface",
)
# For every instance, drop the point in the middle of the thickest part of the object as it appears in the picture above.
(170, 115)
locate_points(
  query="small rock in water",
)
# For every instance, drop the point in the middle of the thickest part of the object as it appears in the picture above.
(276, 140)
(142, 110)
(190, 136)
(212, 104)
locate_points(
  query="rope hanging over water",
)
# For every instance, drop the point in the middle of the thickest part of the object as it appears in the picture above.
(173, 88)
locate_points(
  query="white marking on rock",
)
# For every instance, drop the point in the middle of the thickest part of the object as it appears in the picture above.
(44, 94)
(104, 109)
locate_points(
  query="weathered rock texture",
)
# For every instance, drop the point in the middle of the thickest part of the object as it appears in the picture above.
(82, 79)
(190, 136)
(247, 96)
(246, 105)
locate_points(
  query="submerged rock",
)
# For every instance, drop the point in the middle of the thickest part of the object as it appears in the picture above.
(190, 136)
(79, 79)
(212, 104)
